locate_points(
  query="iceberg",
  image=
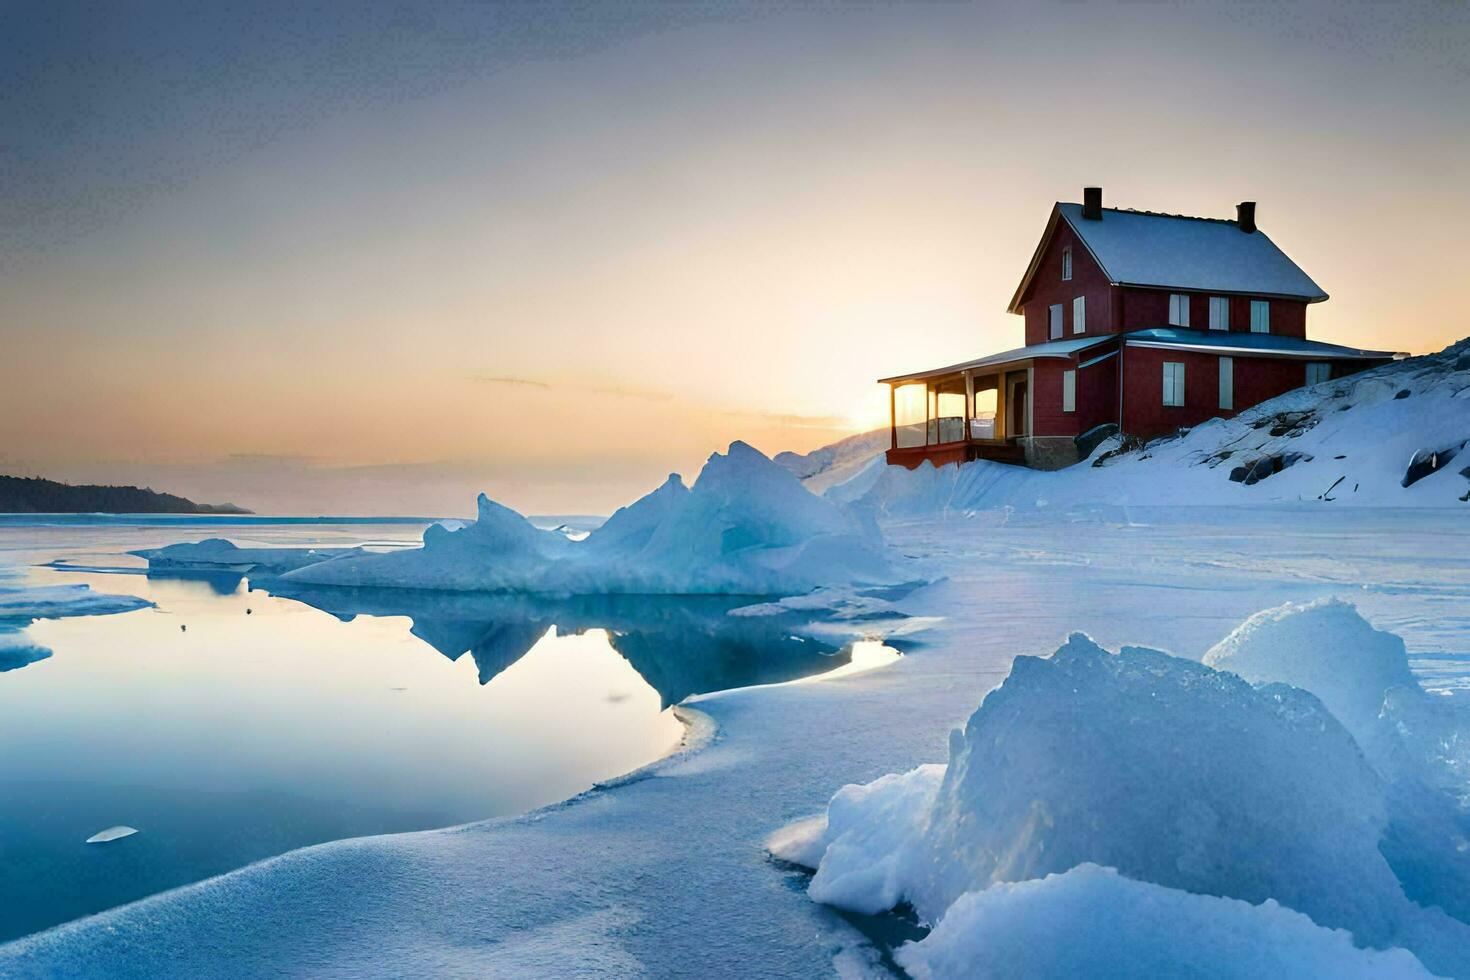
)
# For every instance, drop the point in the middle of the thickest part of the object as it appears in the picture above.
(746, 527)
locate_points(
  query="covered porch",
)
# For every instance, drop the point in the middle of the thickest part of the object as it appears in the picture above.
(960, 414)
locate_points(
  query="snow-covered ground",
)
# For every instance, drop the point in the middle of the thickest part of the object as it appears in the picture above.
(669, 868)
(1254, 830)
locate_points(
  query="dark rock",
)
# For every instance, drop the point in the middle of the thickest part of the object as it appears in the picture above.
(1088, 441)
(1427, 461)
(1402, 393)
(1253, 473)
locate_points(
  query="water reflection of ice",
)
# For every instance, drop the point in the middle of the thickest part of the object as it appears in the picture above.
(681, 646)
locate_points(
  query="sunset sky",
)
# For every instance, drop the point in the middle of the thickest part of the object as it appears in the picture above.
(353, 258)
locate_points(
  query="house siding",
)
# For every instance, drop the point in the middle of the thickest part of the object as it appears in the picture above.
(1144, 309)
(1048, 288)
(1255, 380)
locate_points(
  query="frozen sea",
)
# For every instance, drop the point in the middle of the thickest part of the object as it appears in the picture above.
(229, 725)
(666, 873)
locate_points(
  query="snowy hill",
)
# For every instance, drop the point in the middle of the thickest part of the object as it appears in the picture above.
(1394, 436)
(835, 463)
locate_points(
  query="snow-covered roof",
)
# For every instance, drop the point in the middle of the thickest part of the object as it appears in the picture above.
(1170, 251)
(1256, 344)
(1055, 348)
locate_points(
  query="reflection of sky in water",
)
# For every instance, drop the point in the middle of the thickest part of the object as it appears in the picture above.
(343, 714)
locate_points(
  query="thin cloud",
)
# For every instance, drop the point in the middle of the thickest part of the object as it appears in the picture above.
(792, 420)
(615, 391)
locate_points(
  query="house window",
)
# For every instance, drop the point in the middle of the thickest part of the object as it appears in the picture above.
(1219, 312)
(1178, 310)
(1079, 315)
(1227, 383)
(1174, 383)
(1260, 316)
(1066, 265)
(1056, 321)
(1069, 391)
(1318, 372)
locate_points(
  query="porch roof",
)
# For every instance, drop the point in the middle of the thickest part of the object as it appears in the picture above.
(1055, 348)
(1251, 344)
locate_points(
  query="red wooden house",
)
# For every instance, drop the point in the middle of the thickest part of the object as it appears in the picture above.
(1136, 321)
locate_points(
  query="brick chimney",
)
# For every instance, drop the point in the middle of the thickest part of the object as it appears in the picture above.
(1245, 216)
(1092, 203)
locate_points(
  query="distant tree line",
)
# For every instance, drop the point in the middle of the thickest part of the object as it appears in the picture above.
(33, 495)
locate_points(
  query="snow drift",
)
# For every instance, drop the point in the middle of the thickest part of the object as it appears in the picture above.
(1395, 435)
(747, 527)
(1171, 772)
(1118, 927)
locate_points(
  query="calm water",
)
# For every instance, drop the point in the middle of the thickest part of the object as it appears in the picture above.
(320, 714)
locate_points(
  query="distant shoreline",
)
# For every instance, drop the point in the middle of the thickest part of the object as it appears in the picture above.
(37, 495)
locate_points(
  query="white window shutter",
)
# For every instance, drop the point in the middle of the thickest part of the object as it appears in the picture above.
(1069, 391)
(1173, 383)
(1079, 315)
(1219, 313)
(1056, 321)
(1178, 310)
(1260, 316)
(1227, 383)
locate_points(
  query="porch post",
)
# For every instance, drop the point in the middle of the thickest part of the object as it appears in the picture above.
(928, 397)
(893, 416)
(1000, 432)
(969, 404)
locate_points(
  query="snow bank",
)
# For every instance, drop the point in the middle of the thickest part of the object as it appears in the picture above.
(747, 527)
(1167, 770)
(1396, 435)
(1091, 921)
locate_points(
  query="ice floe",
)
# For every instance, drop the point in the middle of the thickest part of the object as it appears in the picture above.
(1175, 774)
(111, 834)
(219, 554)
(20, 604)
